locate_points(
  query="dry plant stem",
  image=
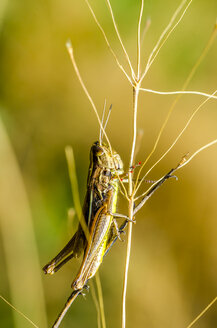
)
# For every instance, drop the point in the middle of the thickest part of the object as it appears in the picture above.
(100, 296)
(202, 313)
(18, 311)
(179, 93)
(136, 90)
(159, 45)
(69, 302)
(74, 186)
(102, 122)
(135, 111)
(164, 33)
(139, 40)
(71, 54)
(131, 204)
(201, 57)
(73, 180)
(95, 300)
(107, 119)
(177, 23)
(129, 241)
(107, 42)
(199, 150)
(124, 191)
(120, 40)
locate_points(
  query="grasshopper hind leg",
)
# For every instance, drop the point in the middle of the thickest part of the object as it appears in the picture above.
(72, 249)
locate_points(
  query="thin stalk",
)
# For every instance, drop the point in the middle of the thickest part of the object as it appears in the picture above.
(198, 151)
(127, 263)
(107, 42)
(102, 122)
(182, 92)
(69, 302)
(135, 111)
(131, 204)
(18, 311)
(100, 297)
(203, 54)
(132, 156)
(159, 45)
(169, 25)
(71, 54)
(120, 40)
(202, 313)
(139, 41)
(177, 23)
(95, 300)
(73, 179)
(74, 186)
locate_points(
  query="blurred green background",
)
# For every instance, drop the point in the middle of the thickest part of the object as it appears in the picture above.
(43, 108)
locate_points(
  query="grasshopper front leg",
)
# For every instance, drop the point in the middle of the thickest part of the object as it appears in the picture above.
(122, 216)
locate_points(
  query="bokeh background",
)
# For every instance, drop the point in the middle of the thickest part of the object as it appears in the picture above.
(43, 108)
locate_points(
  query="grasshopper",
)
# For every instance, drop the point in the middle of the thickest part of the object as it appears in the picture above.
(99, 209)
(105, 169)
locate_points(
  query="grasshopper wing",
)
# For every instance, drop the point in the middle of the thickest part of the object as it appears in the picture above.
(77, 243)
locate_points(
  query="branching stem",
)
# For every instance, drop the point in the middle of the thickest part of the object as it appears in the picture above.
(179, 93)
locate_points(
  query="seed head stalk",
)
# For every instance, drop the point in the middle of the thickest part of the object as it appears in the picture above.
(131, 202)
(136, 90)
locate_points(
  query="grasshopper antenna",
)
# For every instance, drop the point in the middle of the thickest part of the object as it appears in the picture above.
(106, 122)
(100, 131)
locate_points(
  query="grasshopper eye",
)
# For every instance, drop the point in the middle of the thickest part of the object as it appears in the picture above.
(100, 152)
(97, 150)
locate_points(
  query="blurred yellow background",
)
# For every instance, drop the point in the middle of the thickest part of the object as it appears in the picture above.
(43, 108)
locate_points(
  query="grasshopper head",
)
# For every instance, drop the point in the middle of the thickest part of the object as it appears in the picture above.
(102, 156)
